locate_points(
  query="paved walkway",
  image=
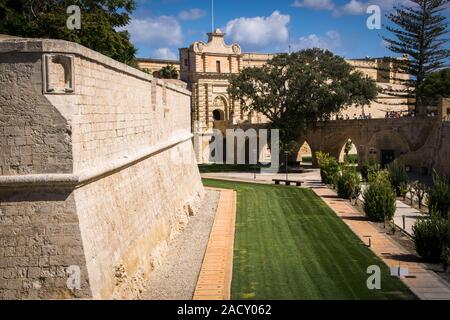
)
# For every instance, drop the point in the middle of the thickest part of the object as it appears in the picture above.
(214, 282)
(411, 216)
(423, 282)
(311, 177)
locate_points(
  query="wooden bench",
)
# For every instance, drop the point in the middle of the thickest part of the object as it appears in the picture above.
(288, 182)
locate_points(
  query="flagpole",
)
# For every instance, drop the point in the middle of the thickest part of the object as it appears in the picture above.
(212, 15)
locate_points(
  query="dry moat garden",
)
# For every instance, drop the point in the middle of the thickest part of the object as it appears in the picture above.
(290, 245)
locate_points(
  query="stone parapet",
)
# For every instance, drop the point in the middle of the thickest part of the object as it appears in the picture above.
(97, 172)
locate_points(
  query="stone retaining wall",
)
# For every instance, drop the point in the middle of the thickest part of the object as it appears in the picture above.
(97, 172)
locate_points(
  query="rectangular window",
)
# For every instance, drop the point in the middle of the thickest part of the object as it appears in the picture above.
(186, 62)
(218, 66)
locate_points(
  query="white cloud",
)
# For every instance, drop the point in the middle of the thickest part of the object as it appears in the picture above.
(358, 7)
(388, 4)
(164, 53)
(351, 7)
(314, 4)
(162, 30)
(354, 7)
(260, 32)
(331, 41)
(192, 14)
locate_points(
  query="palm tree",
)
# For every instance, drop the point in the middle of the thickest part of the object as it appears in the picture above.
(168, 72)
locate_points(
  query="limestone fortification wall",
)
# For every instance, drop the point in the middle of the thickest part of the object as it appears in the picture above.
(435, 152)
(97, 172)
(442, 159)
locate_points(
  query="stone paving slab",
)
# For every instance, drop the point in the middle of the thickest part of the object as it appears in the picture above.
(411, 217)
(311, 177)
(424, 283)
(214, 282)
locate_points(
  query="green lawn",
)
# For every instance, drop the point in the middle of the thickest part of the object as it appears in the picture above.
(290, 245)
(213, 168)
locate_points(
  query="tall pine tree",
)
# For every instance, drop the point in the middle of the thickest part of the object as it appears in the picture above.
(419, 32)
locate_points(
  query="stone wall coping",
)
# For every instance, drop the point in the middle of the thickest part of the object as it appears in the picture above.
(29, 45)
(383, 121)
(172, 86)
(92, 174)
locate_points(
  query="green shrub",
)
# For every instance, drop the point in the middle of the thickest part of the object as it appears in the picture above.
(379, 198)
(322, 156)
(398, 175)
(348, 183)
(351, 158)
(369, 169)
(329, 171)
(329, 167)
(307, 159)
(439, 196)
(432, 238)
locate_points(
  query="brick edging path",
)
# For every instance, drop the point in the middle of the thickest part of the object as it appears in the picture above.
(214, 281)
(423, 282)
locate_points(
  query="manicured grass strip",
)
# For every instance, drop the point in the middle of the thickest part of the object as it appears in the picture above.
(290, 245)
(213, 168)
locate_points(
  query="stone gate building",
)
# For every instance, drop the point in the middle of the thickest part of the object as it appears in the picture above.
(206, 68)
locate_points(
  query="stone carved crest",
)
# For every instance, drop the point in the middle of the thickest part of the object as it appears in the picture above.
(58, 74)
(199, 46)
(236, 49)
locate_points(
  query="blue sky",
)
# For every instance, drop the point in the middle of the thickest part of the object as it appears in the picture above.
(160, 27)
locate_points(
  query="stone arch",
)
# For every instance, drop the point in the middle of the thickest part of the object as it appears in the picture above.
(334, 143)
(218, 115)
(352, 151)
(220, 104)
(303, 150)
(303, 147)
(333, 140)
(387, 141)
